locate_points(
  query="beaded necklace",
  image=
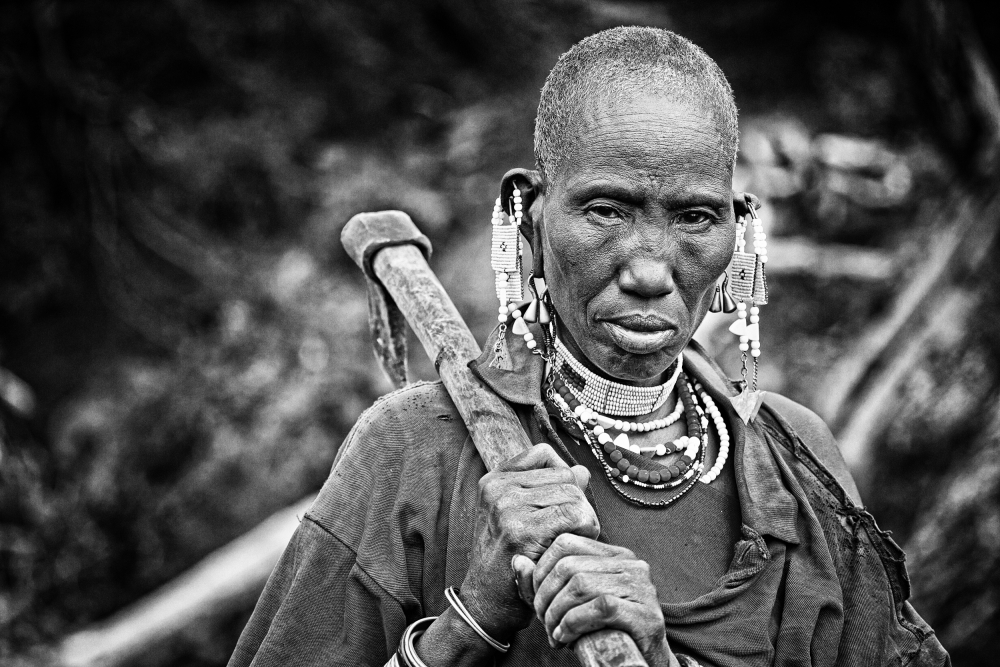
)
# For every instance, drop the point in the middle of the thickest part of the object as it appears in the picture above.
(620, 465)
(617, 455)
(600, 424)
(610, 397)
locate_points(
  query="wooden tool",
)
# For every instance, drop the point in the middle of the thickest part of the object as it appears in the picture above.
(402, 289)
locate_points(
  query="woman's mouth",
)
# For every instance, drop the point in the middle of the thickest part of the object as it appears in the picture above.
(640, 334)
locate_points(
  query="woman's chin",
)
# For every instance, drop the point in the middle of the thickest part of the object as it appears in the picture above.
(632, 359)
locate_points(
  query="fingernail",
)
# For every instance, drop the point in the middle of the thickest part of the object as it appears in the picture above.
(557, 634)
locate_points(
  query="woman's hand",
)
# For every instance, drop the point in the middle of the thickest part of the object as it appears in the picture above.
(523, 506)
(580, 585)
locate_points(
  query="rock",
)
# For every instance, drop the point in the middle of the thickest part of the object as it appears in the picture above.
(889, 191)
(756, 148)
(793, 141)
(853, 153)
(773, 182)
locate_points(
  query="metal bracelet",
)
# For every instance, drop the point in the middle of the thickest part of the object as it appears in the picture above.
(406, 654)
(451, 594)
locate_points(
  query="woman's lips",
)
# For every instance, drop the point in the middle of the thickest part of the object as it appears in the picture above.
(640, 335)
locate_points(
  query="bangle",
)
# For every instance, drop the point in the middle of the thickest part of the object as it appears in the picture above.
(451, 594)
(406, 654)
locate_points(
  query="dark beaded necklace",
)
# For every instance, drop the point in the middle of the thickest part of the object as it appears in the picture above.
(625, 466)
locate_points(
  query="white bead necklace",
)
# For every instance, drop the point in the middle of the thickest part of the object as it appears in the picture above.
(687, 446)
(611, 398)
(594, 418)
(721, 430)
(588, 420)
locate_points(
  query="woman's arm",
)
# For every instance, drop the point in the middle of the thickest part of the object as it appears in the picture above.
(319, 608)
(522, 508)
(451, 641)
(341, 593)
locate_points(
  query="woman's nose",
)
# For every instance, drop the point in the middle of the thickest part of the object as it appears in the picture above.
(646, 276)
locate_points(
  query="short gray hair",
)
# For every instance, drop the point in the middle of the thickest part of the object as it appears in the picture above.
(617, 65)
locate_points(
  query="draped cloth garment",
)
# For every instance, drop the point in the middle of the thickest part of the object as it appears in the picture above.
(810, 580)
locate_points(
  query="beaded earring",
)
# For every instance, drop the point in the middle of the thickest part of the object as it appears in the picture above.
(749, 285)
(539, 308)
(505, 259)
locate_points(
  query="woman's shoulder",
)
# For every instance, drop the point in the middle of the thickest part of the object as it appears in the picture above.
(414, 404)
(416, 420)
(401, 455)
(802, 423)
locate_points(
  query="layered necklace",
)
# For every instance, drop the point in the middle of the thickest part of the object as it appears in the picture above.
(587, 401)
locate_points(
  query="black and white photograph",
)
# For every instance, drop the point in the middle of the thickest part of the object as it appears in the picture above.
(427, 333)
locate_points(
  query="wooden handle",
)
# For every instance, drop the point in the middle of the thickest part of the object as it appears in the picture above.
(491, 421)
(403, 272)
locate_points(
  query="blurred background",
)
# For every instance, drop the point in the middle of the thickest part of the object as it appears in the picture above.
(184, 344)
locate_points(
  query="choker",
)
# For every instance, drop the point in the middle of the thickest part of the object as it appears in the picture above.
(608, 397)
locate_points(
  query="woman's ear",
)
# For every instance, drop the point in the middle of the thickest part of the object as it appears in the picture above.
(529, 183)
(742, 201)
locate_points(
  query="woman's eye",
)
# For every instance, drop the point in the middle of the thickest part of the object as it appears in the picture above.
(694, 217)
(605, 212)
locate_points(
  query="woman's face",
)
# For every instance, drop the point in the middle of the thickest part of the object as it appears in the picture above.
(637, 226)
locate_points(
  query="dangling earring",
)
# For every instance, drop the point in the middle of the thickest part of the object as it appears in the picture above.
(723, 301)
(505, 259)
(539, 308)
(749, 285)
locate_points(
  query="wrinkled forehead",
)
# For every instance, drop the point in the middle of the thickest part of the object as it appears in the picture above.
(652, 136)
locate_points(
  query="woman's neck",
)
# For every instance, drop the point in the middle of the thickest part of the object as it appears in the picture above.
(574, 349)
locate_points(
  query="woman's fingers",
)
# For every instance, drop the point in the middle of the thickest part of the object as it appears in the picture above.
(579, 590)
(534, 518)
(523, 568)
(574, 572)
(569, 544)
(537, 458)
(576, 579)
(574, 516)
(509, 490)
(604, 611)
(540, 456)
(582, 476)
(527, 520)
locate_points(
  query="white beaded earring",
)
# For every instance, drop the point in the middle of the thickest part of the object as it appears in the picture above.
(749, 285)
(505, 259)
(538, 308)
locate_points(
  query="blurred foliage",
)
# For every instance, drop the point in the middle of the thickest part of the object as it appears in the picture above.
(174, 179)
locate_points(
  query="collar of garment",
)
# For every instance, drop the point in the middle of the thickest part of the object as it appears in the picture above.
(766, 503)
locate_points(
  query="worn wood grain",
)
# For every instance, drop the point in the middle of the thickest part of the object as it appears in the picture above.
(446, 338)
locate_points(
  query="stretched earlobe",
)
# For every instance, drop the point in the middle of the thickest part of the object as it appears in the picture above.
(537, 264)
(742, 201)
(529, 183)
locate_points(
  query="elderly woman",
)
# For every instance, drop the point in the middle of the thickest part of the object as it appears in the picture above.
(662, 499)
